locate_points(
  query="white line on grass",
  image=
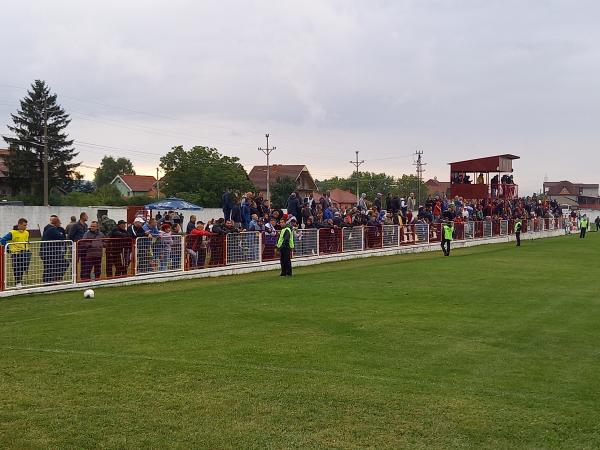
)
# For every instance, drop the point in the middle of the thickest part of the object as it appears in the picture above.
(72, 313)
(225, 364)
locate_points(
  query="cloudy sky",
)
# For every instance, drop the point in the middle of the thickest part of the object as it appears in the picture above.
(455, 79)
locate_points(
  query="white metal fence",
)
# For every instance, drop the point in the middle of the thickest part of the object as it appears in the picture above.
(243, 248)
(29, 264)
(306, 243)
(352, 239)
(52, 262)
(160, 254)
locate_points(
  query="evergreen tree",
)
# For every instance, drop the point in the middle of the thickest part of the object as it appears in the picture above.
(25, 162)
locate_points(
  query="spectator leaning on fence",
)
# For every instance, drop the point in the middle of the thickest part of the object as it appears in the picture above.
(70, 225)
(118, 250)
(91, 253)
(20, 255)
(52, 251)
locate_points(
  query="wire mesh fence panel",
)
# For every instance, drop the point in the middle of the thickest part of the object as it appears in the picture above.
(503, 228)
(243, 248)
(488, 229)
(118, 255)
(202, 252)
(530, 227)
(469, 230)
(158, 254)
(373, 237)
(330, 240)
(352, 239)
(408, 235)
(306, 243)
(2, 268)
(459, 231)
(422, 231)
(435, 232)
(478, 232)
(495, 227)
(391, 235)
(28, 264)
(269, 244)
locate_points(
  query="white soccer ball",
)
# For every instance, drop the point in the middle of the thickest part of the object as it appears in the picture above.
(88, 293)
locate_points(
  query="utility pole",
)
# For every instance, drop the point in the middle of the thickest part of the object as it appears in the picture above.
(46, 201)
(157, 185)
(419, 163)
(357, 164)
(267, 151)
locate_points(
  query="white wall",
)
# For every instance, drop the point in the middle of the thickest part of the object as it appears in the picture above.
(39, 215)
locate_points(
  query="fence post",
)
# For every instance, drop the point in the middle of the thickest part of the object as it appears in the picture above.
(260, 239)
(183, 255)
(318, 241)
(362, 239)
(74, 262)
(2, 268)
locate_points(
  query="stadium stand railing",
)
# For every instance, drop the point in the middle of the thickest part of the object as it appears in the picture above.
(42, 263)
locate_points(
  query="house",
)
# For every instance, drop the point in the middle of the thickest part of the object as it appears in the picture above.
(4, 188)
(581, 195)
(299, 173)
(135, 185)
(341, 199)
(435, 187)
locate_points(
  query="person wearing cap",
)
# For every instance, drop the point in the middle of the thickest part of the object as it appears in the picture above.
(163, 247)
(447, 234)
(118, 250)
(285, 245)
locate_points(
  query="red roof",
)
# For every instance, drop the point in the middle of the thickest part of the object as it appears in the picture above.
(498, 163)
(564, 187)
(3, 168)
(258, 174)
(139, 183)
(338, 196)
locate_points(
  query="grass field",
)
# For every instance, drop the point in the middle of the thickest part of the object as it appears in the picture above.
(493, 347)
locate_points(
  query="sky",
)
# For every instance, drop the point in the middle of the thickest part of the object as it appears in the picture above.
(454, 79)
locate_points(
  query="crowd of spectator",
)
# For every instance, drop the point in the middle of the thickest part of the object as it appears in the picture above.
(249, 212)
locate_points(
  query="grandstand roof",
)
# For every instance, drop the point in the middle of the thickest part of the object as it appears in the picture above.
(498, 163)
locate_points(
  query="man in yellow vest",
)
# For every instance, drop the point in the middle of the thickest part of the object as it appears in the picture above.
(518, 226)
(20, 255)
(447, 234)
(583, 225)
(285, 245)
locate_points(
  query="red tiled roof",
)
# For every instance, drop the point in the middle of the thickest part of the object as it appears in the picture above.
(338, 196)
(566, 187)
(139, 183)
(258, 174)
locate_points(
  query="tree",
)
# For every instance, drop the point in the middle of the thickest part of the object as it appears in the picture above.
(110, 168)
(25, 162)
(201, 174)
(281, 190)
(372, 183)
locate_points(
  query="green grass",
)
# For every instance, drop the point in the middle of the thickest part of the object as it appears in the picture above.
(493, 347)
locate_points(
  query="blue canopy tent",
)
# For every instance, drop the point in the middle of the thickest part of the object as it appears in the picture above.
(172, 204)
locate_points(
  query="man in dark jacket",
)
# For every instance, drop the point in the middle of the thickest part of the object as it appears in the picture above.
(52, 251)
(227, 204)
(118, 250)
(293, 206)
(78, 229)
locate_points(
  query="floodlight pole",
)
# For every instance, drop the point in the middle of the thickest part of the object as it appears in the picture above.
(45, 162)
(267, 151)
